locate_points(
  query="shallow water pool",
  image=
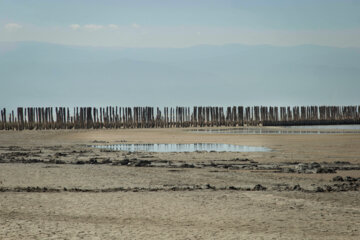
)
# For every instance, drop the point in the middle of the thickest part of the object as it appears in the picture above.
(338, 127)
(183, 147)
(334, 129)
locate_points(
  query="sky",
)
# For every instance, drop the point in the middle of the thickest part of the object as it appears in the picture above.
(178, 24)
(179, 52)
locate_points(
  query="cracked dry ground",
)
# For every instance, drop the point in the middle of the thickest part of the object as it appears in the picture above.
(54, 186)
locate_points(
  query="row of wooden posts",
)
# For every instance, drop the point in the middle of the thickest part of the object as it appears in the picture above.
(150, 117)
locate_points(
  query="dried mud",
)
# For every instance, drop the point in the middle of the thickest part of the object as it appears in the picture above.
(306, 188)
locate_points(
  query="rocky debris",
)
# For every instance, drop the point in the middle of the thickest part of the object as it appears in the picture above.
(79, 152)
(242, 160)
(342, 187)
(259, 187)
(122, 162)
(288, 170)
(233, 164)
(15, 154)
(342, 163)
(291, 163)
(31, 160)
(208, 186)
(273, 167)
(324, 170)
(82, 155)
(97, 141)
(29, 189)
(50, 166)
(351, 179)
(15, 148)
(140, 163)
(346, 179)
(301, 167)
(133, 162)
(107, 150)
(328, 188)
(59, 154)
(297, 187)
(313, 167)
(147, 156)
(123, 189)
(56, 161)
(222, 166)
(338, 187)
(186, 165)
(106, 161)
(319, 189)
(338, 179)
(93, 161)
(286, 187)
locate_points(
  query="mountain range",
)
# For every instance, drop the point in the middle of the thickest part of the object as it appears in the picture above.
(44, 74)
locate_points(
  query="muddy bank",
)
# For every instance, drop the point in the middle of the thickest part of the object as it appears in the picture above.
(53, 185)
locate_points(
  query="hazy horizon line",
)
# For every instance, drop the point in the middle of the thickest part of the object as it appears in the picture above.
(184, 47)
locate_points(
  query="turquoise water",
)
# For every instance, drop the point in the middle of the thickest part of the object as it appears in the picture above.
(182, 147)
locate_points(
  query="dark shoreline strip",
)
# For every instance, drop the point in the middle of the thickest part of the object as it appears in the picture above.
(154, 117)
(327, 188)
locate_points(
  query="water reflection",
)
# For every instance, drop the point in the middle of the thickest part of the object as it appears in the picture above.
(339, 127)
(183, 147)
(282, 130)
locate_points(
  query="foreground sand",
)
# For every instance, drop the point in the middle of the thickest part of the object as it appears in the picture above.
(179, 215)
(52, 187)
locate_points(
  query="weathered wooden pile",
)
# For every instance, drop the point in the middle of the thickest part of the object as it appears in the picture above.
(150, 117)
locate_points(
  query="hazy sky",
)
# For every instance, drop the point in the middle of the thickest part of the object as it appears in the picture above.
(41, 73)
(182, 23)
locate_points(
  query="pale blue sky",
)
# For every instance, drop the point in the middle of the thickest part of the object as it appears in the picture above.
(182, 23)
(322, 70)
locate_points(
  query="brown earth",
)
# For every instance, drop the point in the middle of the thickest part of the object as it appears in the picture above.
(54, 185)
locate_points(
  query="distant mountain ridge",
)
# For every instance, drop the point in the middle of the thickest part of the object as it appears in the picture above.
(44, 74)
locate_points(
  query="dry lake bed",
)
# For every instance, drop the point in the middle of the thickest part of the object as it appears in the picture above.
(277, 183)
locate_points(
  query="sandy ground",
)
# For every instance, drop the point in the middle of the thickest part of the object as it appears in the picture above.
(305, 148)
(54, 186)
